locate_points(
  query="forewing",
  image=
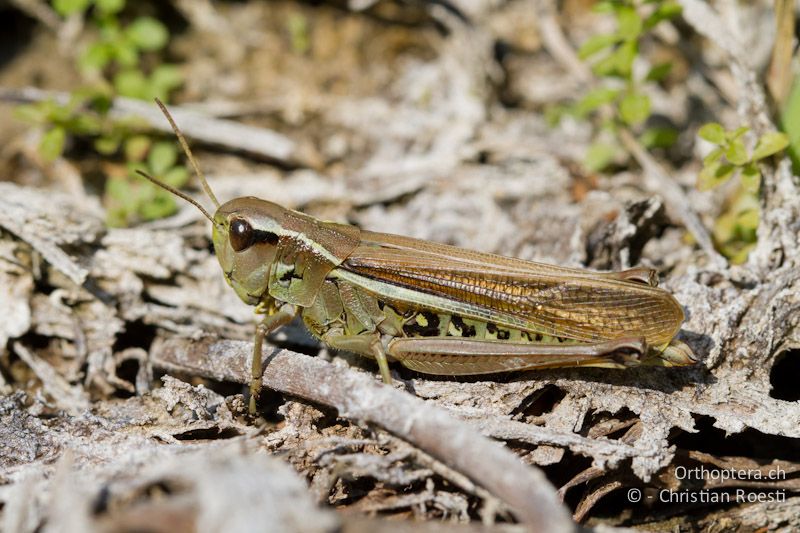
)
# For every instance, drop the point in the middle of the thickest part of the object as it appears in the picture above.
(552, 300)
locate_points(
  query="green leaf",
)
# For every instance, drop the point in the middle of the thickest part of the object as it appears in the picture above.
(107, 144)
(629, 23)
(162, 157)
(790, 122)
(126, 53)
(119, 189)
(95, 57)
(136, 148)
(33, 113)
(738, 132)
(599, 156)
(130, 83)
(623, 58)
(148, 33)
(52, 144)
(736, 153)
(659, 137)
(769, 144)
(100, 99)
(110, 30)
(595, 44)
(712, 132)
(594, 99)
(748, 224)
(162, 81)
(714, 175)
(57, 113)
(299, 33)
(659, 72)
(606, 66)
(77, 100)
(665, 11)
(751, 178)
(724, 228)
(713, 156)
(120, 201)
(604, 6)
(116, 217)
(634, 108)
(166, 77)
(144, 190)
(69, 7)
(176, 176)
(737, 252)
(109, 7)
(160, 206)
(743, 201)
(608, 125)
(83, 124)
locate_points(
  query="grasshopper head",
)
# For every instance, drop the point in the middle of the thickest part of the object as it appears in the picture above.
(264, 249)
(245, 235)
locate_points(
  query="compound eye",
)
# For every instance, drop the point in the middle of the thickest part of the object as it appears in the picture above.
(241, 235)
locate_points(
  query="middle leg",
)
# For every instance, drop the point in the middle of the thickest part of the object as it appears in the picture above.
(367, 344)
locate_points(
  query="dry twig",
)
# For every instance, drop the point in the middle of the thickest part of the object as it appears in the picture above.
(359, 397)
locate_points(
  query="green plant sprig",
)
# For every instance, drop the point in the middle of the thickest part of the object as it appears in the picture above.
(735, 228)
(730, 156)
(114, 61)
(612, 56)
(129, 199)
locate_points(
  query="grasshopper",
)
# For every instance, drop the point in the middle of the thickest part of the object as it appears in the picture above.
(433, 308)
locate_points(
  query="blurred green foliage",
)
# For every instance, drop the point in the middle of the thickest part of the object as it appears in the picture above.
(123, 58)
(128, 199)
(81, 115)
(612, 56)
(790, 122)
(735, 229)
(299, 33)
(618, 101)
(730, 156)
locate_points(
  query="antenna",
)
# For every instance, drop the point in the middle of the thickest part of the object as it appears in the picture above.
(176, 192)
(192, 160)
